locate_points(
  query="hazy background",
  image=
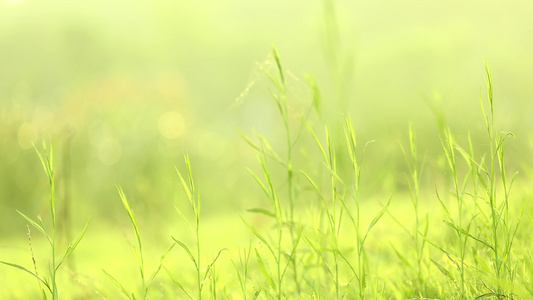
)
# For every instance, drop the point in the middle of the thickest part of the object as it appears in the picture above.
(125, 88)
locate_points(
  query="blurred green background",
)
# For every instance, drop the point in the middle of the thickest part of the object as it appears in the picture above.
(124, 88)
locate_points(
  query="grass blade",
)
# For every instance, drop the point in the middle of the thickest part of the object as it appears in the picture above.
(34, 224)
(118, 285)
(262, 211)
(27, 271)
(376, 219)
(73, 245)
(178, 283)
(445, 272)
(160, 266)
(259, 236)
(208, 268)
(182, 245)
(264, 270)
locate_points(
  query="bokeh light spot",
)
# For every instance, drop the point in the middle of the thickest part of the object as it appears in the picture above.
(109, 151)
(171, 125)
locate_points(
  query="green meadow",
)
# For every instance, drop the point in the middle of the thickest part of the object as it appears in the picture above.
(266, 149)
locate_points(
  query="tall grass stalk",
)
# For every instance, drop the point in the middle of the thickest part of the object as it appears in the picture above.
(275, 246)
(139, 256)
(193, 195)
(47, 160)
(496, 231)
(337, 209)
(287, 219)
(280, 97)
(333, 211)
(356, 167)
(415, 175)
(503, 231)
(244, 261)
(459, 193)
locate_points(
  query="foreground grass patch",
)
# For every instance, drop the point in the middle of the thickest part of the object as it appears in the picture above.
(317, 235)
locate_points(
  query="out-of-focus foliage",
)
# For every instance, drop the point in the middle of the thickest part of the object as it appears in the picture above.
(124, 88)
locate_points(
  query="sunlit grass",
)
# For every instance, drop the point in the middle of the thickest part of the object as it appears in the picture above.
(317, 233)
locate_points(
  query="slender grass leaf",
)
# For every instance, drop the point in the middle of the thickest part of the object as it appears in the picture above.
(189, 172)
(262, 211)
(241, 282)
(450, 257)
(182, 245)
(293, 251)
(272, 156)
(27, 271)
(333, 173)
(317, 97)
(401, 257)
(259, 236)
(210, 266)
(37, 226)
(130, 212)
(41, 158)
(73, 245)
(178, 283)
(376, 219)
(258, 292)
(187, 190)
(465, 232)
(278, 64)
(261, 184)
(154, 274)
(349, 264)
(445, 272)
(187, 223)
(448, 215)
(270, 77)
(264, 270)
(118, 285)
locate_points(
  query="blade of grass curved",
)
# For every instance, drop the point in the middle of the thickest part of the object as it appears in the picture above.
(466, 233)
(154, 274)
(130, 214)
(37, 226)
(262, 211)
(206, 270)
(187, 223)
(187, 190)
(376, 219)
(263, 187)
(27, 271)
(445, 272)
(272, 155)
(182, 245)
(118, 284)
(264, 270)
(293, 251)
(73, 245)
(177, 283)
(259, 236)
(259, 290)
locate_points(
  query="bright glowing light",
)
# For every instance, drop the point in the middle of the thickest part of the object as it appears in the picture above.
(171, 125)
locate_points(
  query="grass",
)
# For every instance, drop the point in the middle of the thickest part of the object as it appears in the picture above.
(54, 263)
(138, 252)
(193, 195)
(319, 235)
